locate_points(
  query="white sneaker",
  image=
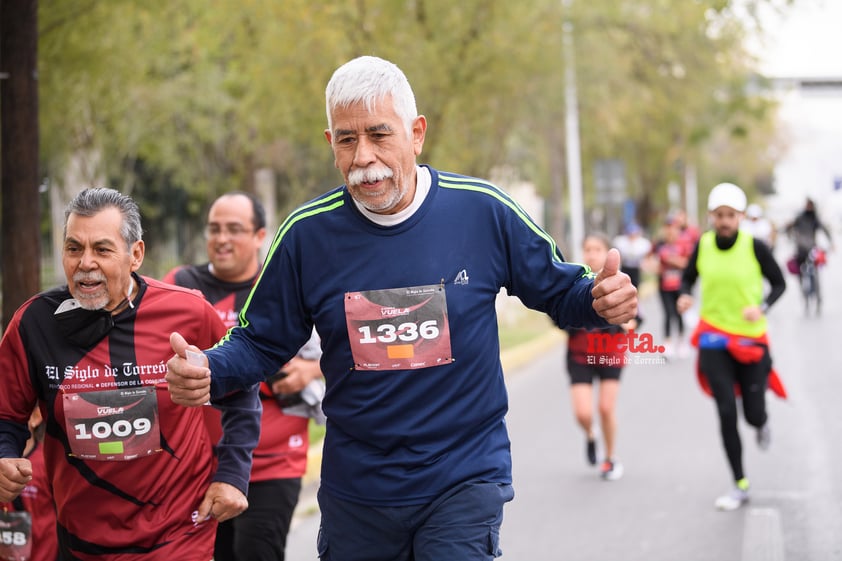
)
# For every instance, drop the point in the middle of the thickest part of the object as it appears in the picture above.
(733, 500)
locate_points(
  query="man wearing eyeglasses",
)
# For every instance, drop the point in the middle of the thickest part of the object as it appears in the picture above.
(235, 231)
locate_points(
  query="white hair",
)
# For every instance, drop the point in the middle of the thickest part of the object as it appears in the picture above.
(369, 79)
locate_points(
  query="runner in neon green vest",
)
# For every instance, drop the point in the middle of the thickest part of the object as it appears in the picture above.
(731, 336)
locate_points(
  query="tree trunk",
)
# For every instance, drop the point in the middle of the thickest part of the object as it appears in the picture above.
(19, 228)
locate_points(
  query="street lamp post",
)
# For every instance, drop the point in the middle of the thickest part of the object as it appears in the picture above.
(573, 150)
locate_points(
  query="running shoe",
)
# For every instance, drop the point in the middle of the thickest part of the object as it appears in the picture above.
(764, 436)
(611, 470)
(733, 500)
(590, 451)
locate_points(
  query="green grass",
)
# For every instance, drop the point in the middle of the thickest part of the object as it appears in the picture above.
(316, 432)
(520, 325)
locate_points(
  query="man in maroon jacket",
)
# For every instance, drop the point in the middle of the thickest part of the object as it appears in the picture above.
(132, 472)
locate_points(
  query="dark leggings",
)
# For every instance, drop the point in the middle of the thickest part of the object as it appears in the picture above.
(260, 533)
(669, 299)
(722, 372)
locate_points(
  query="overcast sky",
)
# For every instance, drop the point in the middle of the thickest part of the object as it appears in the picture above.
(806, 41)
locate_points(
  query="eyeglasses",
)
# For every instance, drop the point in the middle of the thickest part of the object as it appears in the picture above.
(230, 230)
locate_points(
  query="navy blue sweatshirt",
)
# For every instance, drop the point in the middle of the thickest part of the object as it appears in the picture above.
(402, 436)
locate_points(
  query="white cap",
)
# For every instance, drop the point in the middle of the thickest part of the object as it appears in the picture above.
(754, 211)
(727, 194)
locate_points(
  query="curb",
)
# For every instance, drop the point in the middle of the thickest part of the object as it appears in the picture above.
(512, 359)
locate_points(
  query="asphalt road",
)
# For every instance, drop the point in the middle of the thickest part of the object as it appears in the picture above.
(662, 509)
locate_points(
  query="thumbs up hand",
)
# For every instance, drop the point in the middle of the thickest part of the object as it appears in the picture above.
(189, 383)
(614, 296)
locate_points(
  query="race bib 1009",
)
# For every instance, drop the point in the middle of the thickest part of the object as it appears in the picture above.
(114, 425)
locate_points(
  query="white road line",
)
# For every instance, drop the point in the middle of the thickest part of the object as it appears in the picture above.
(762, 539)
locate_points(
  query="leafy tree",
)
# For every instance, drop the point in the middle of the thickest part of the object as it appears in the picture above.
(175, 102)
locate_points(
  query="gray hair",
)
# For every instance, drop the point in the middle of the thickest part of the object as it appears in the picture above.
(91, 201)
(369, 79)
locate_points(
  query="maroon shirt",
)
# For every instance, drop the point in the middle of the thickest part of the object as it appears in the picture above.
(107, 509)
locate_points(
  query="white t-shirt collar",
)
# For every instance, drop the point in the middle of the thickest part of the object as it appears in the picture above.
(422, 187)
